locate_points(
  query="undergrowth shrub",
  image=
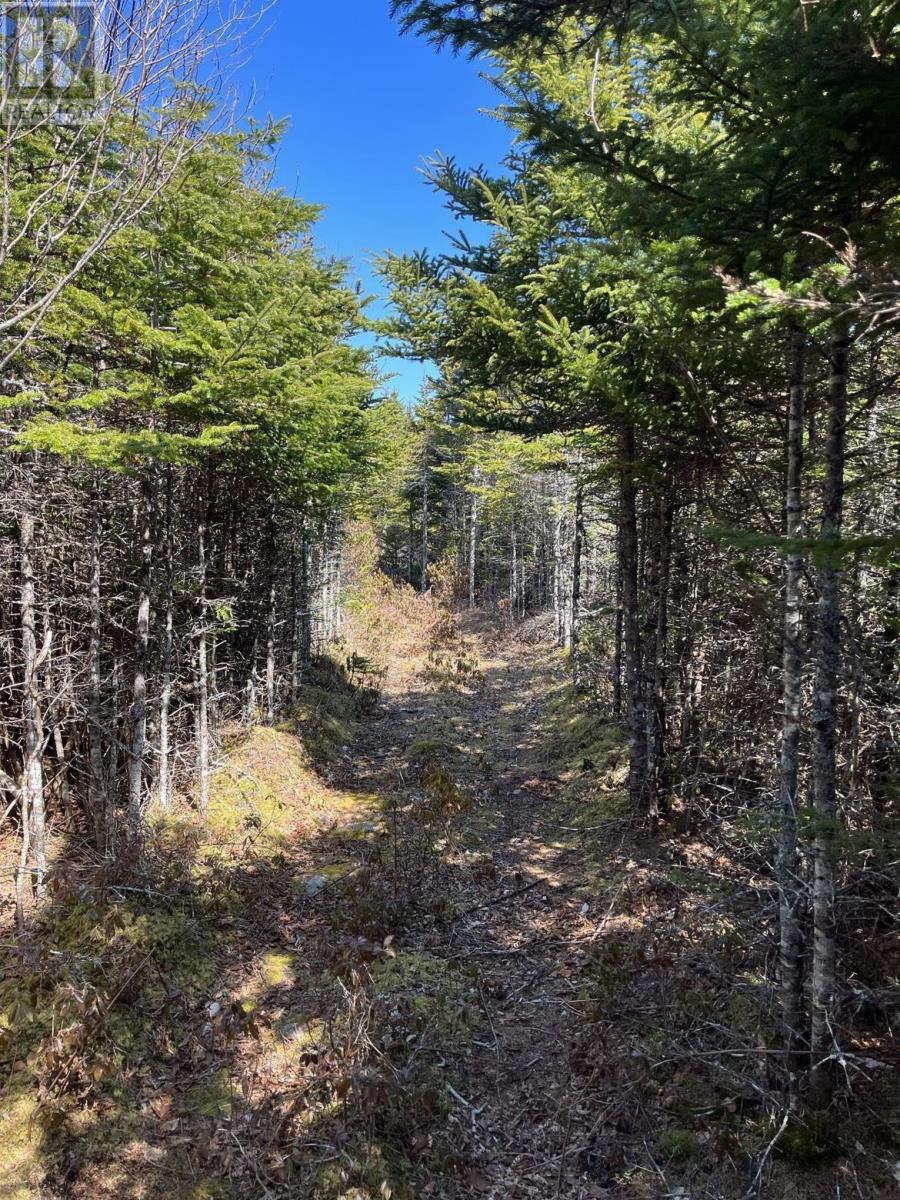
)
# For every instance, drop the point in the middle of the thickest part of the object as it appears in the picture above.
(382, 614)
(395, 1027)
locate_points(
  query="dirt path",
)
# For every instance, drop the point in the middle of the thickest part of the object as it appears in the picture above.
(525, 906)
(415, 953)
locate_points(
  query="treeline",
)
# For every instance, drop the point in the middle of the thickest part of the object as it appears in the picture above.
(687, 273)
(187, 429)
(490, 518)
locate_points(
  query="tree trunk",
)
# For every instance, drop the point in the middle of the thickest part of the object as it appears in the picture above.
(116, 725)
(251, 688)
(271, 624)
(305, 603)
(655, 659)
(631, 637)
(513, 572)
(295, 619)
(473, 544)
(141, 657)
(790, 887)
(577, 554)
(619, 630)
(411, 543)
(824, 724)
(559, 599)
(65, 793)
(34, 830)
(165, 698)
(423, 566)
(98, 795)
(202, 680)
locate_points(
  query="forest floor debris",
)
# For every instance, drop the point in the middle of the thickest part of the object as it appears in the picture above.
(422, 956)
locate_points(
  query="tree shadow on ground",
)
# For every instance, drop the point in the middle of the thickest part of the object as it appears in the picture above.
(428, 990)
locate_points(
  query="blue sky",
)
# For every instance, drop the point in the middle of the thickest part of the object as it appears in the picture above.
(366, 106)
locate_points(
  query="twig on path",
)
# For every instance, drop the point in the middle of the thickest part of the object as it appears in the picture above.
(251, 1164)
(456, 1096)
(609, 911)
(532, 945)
(487, 1013)
(754, 1192)
(501, 899)
(528, 982)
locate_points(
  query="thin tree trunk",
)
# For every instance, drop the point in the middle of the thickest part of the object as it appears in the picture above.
(98, 795)
(271, 624)
(34, 829)
(577, 553)
(559, 602)
(141, 657)
(65, 793)
(116, 724)
(619, 631)
(473, 543)
(202, 679)
(423, 576)
(165, 699)
(251, 686)
(656, 659)
(513, 572)
(411, 543)
(631, 637)
(824, 724)
(295, 620)
(653, 535)
(788, 866)
(305, 602)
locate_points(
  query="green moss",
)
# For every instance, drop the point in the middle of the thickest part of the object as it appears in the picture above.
(749, 1009)
(809, 1140)
(368, 1170)
(679, 1144)
(325, 873)
(205, 1189)
(430, 749)
(21, 1166)
(296, 1029)
(431, 989)
(184, 947)
(696, 881)
(358, 831)
(277, 968)
(326, 715)
(593, 751)
(212, 1097)
(410, 970)
(608, 967)
(257, 796)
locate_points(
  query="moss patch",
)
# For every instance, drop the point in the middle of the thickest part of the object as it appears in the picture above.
(432, 990)
(809, 1140)
(263, 792)
(679, 1145)
(211, 1097)
(425, 750)
(21, 1168)
(593, 751)
(326, 715)
(277, 968)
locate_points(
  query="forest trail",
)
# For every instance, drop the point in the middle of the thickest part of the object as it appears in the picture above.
(366, 967)
(435, 963)
(525, 904)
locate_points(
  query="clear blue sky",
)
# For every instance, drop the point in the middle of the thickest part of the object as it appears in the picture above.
(366, 106)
